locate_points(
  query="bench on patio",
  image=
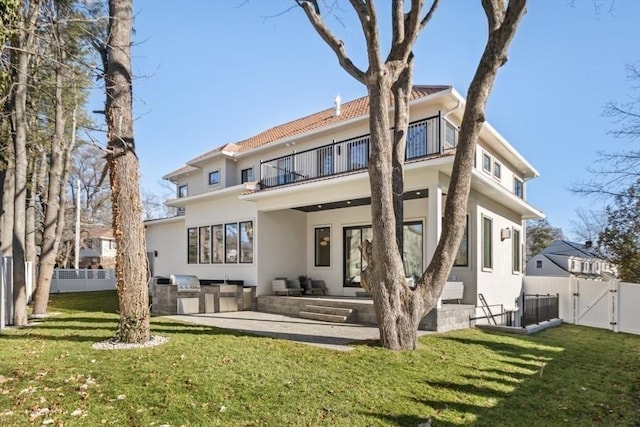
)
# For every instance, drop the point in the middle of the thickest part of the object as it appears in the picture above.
(452, 291)
(282, 286)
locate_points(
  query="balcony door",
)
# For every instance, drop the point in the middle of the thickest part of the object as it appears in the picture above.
(325, 161)
(285, 167)
(358, 154)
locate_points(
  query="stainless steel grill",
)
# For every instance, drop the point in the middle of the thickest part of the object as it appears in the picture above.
(185, 283)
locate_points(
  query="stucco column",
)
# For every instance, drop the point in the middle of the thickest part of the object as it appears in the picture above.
(434, 220)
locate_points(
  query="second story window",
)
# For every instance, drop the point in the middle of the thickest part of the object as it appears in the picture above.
(214, 178)
(497, 170)
(450, 136)
(182, 191)
(486, 162)
(518, 188)
(246, 175)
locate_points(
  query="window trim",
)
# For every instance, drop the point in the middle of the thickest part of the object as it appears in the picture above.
(516, 248)
(521, 182)
(538, 263)
(186, 191)
(486, 267)
(240, 252)
(486, 168)
(217, 173)
(242, 175)
(226, 242)
(193, 260)
(363, 227)
(468, 246)
(201, 253)
(213, 238)
(315, 246)
(497, 170)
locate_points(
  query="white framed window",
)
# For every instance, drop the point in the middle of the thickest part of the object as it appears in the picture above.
(246, 175)
(486, 162)
(518, 187)
(214, 178)
(539, 263)
(487, 243)
(516, 251)
(450, 136)
(182, 191)
(462, 257)
(497, 170)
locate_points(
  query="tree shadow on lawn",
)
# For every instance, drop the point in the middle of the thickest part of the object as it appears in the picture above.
(61, 328)
(482, 384)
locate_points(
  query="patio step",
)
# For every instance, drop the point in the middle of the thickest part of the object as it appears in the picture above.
(325, 313)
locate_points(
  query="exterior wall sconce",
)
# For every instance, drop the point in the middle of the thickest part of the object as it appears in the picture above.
(505, 233)
(155, 254)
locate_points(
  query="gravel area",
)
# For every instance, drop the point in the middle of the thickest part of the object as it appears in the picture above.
(115, 344)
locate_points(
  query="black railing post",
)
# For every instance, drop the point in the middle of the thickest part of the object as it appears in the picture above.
(537, 309)
(440, 135)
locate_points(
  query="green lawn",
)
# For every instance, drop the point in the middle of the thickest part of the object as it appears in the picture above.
(49, 374)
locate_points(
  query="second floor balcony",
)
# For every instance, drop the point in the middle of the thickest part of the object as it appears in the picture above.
(426, 138)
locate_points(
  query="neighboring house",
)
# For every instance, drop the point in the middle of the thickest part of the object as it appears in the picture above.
(563, 258)
(295, 199)
(98, 249)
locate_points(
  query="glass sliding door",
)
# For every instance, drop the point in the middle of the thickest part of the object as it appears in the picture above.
(354, 264)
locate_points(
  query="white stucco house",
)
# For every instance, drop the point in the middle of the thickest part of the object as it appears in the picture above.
(294, 200)
(563, 258)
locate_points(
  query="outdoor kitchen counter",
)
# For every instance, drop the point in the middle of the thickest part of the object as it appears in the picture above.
(210, 296)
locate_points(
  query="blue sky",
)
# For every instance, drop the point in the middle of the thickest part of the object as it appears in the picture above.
(214, 72)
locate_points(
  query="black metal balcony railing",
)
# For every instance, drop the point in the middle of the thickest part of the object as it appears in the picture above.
(423, 140)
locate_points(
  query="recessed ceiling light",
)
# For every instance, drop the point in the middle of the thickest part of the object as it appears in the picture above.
(319, 206)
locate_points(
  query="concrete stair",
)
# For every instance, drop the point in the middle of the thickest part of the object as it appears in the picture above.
(326, 313)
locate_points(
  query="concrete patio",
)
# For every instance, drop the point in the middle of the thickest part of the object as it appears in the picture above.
(336, 336)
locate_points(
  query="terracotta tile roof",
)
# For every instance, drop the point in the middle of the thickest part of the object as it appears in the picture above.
(349, 110)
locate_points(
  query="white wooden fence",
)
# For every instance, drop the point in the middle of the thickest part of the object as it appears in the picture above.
(82, 280)
(600, 304)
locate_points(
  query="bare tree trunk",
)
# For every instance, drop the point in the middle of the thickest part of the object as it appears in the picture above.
(30, 230)
(53, 212)
(26, 36)
(399, 309)
(131, 261)
(8, 194)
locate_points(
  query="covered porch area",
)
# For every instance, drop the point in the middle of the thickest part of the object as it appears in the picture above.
(314, 230)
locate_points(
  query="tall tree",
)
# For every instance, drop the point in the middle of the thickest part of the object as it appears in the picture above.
(131, 260)
(62, 19)
(27, 40)
(399, 308)
(620, 239)
(540, 234)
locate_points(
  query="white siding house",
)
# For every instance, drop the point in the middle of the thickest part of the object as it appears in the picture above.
(295, 200)
(98, 249)
(563, 258)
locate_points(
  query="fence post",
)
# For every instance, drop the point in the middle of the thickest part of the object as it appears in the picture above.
(615, 307)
